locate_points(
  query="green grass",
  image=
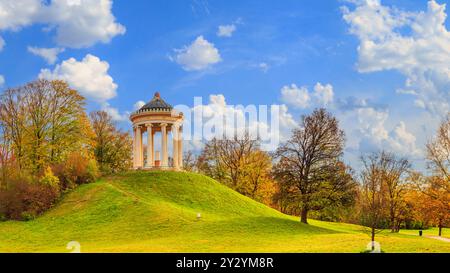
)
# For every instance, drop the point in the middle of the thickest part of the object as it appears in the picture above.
(156, 212)
(429, 232)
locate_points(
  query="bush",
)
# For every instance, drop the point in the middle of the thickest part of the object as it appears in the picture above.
(27, 216)
(24, 199)
(76, 170)
(50, 179)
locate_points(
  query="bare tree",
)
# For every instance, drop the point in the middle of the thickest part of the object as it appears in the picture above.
(189, 161)
(393, 171)
(308, 158)
(439, 153)
(373, 195)
(233, 153)
(6, 158)
(12, 118)
(224, 159)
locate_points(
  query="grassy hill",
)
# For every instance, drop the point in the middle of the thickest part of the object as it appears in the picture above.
(157, 212)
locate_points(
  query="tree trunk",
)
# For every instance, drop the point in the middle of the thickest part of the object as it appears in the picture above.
(373, 238)
(440, 230)
(304, 215)
(393, 226)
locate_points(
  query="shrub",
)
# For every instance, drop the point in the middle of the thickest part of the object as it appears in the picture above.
(27, 216)
(24, 199)
(76, 170)
(50, 179)
(92, 171)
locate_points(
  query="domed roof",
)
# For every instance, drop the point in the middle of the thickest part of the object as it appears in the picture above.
(156, 104)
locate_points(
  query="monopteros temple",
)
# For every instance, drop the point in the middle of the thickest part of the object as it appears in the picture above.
(157, 116)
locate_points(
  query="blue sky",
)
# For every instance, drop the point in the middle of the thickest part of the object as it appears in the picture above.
(381, 67)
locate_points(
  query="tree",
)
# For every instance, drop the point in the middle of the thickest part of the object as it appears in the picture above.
(45, 143)
(112, 147)
(373, 203)
(209, 162)
(308, 158)
(256, 179)
(6, 158)
(224, 159)
(337, 195)
(189, 161)
(43, 122)
(393, 171)
(69, 127)
(285, 197)
(436, 202)
(438, 186)
(239, 163)
(439, 153)
(12, 118)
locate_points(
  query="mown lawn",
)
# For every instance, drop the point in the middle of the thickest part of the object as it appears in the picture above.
(429, 232)
(157, 212)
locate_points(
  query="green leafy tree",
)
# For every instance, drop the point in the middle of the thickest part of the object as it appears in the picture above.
(112, 147)
(43, 120)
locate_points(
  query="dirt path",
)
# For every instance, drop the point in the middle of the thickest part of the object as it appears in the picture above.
(439, 238)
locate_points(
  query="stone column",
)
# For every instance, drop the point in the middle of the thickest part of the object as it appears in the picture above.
(150, 161)
(139, 148)
(180, 147)
(175, 139)
(164, 159)
(134, 147)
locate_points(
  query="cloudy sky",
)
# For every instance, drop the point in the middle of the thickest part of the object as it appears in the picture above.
(382, 67)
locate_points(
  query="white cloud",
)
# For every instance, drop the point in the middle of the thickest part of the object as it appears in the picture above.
(226, 30)
(78, 23)
(138, 105)
(371, 124)
(295, 96)
(372, 21)
(287, 122)
(403, 141)
(417, 44)
(324, 94)
(2, 43)
(114, 113)
(15, 14)
(2, 80)
(199, 55)
(367, 131)
(301, 97)
(217, 109)
(49, 54)
(83, 23)
(89, 76)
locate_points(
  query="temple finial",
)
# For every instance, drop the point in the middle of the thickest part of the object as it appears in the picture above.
(157, 95)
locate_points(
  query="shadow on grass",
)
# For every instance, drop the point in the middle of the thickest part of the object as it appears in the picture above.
(267, 225)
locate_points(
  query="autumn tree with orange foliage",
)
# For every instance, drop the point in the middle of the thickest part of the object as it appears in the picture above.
(437, 202)
(256, 176)
(438, 186)
(43, 125)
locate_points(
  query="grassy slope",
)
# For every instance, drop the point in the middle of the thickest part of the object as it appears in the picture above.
(156, 212)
